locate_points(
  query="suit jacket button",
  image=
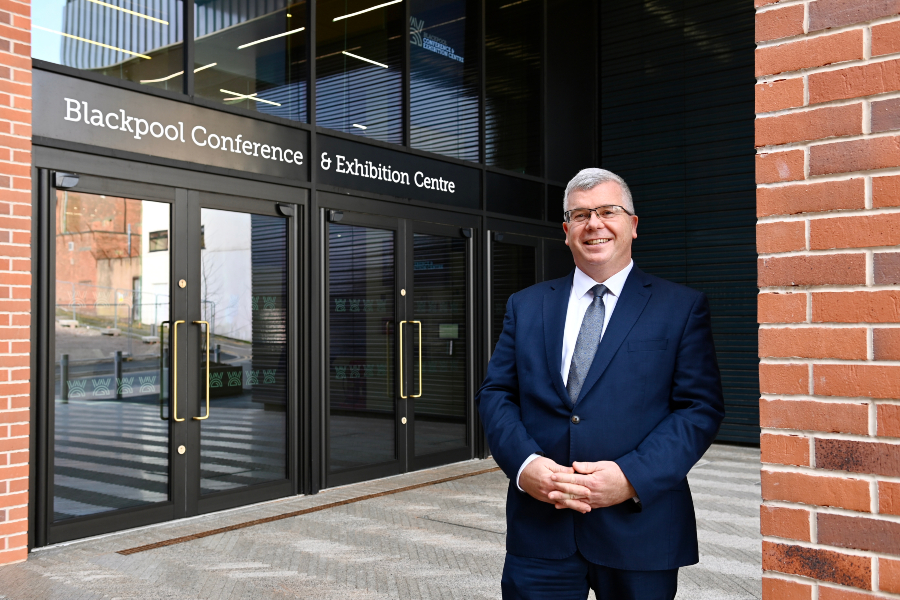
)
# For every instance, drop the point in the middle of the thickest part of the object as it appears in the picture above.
(576, 419)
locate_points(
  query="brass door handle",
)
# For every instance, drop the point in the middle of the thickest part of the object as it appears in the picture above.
(175, 374)
(207, 370)
(400, 326)
(419, 395)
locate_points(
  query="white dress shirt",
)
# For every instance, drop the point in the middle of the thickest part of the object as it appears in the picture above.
(579, 300)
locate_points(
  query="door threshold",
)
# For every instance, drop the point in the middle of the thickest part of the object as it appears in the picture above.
(182, 520)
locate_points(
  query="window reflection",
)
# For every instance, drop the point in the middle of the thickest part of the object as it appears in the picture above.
(111, 371)
(513, 88)
(443, 77)
(135, 40)
(252, 54)
(359, 70)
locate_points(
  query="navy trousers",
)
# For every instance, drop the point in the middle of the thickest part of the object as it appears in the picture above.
(571, 578)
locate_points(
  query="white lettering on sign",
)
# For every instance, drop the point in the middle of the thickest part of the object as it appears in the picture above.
(369, 170)
(78, 111)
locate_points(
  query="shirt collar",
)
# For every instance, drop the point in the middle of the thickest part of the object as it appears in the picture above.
(581, 284)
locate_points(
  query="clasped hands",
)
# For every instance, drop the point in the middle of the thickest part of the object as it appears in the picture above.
(582, 487)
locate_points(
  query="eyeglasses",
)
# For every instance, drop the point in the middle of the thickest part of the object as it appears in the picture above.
(608, 212)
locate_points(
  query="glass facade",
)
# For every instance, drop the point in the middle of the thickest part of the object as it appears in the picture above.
(512, 109)
(443, 87)
(252, 54)
(486, 81)
(138, 41)
(359, 68)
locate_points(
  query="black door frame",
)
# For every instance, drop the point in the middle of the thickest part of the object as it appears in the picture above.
(132, 180)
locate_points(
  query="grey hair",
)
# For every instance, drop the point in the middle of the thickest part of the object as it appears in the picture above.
(587, 179)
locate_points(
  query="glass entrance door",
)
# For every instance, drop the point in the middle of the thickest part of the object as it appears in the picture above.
(170, 388)
(399, 375)
(239, 352)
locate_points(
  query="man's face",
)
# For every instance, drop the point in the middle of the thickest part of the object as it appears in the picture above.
(600, 248)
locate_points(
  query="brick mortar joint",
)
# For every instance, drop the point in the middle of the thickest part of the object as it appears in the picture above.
(802, 361)
(837, 66)
(833, 436)
(812, 35)
(825, 288)
(827, 178)
(839, 549)
(807, 144)
(823, 215)
(805, 253)
(799, 110)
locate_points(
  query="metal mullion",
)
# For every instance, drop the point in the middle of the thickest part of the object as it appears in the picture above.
(40, 512)
(187, 41)
(407, 99)
(316, 391)
(543, 94)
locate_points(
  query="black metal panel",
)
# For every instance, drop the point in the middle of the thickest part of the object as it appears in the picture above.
(677, 123)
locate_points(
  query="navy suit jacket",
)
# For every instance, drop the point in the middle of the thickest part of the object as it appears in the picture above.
(652, 402)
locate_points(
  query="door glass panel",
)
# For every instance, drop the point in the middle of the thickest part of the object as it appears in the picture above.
(361, 346)
(111, 437)
(243, 268)
(439, 276)
(512, 269)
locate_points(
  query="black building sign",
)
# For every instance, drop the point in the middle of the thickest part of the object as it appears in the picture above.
(369, 168)
(74, 110)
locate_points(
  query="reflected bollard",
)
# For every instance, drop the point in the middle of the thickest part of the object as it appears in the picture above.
(64, 378)
(217, 352)
(117, 373)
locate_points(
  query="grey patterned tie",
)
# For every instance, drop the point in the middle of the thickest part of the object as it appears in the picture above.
(587, 342)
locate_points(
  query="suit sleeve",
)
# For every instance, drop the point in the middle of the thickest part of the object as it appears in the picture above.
(499, 402)
(664, 457)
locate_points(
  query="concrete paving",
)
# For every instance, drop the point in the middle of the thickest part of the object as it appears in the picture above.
(436, 541)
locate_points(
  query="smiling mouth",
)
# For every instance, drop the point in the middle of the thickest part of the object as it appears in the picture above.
(596, 242)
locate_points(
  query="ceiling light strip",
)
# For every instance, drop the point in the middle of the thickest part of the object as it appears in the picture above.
(81, 39)
(366, 10)
(168, 77)
(130, 12)
(365, 59)
(271, 37)
(360, 126)
(245, 96)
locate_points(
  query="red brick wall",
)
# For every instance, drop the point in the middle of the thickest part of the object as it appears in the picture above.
(828, 208)
(15, 274)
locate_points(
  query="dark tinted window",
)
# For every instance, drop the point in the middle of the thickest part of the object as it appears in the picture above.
(513, 80)
(513, 268)
(514, 196)
(571, 87)
(139, 42)
(555, 210)
(558, 260)
(677, 124)
(359, 68)
(443, 77)
(252, 54)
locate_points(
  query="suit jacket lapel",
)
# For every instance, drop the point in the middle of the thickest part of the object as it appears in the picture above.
(556, 304)
(629, 307)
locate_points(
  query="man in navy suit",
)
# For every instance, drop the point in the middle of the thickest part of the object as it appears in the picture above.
(601, 394)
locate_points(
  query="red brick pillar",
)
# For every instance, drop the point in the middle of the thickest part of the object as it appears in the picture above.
(15, 275)
(828, 204)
